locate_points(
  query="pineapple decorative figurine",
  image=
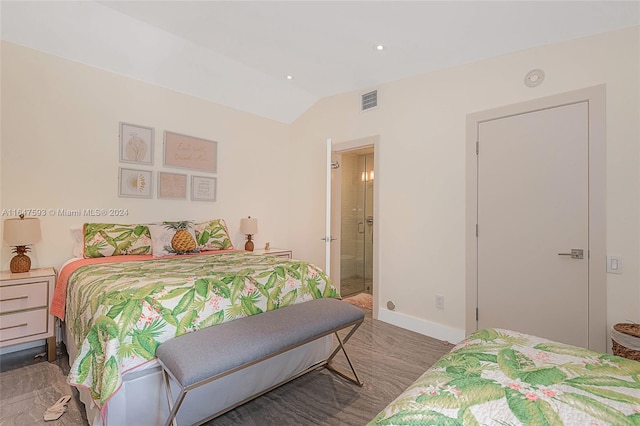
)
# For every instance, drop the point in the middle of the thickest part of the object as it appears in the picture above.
(20, 262)
(182, 241)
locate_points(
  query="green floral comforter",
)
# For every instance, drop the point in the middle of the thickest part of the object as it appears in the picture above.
(500, 377)
(121, 312)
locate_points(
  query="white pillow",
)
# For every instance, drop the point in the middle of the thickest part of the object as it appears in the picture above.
(78, 240)
(162, 236)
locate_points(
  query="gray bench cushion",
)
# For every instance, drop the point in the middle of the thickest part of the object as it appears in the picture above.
(197, 356)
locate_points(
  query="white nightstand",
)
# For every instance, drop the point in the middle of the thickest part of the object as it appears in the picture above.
(275, 252)
(24, 308)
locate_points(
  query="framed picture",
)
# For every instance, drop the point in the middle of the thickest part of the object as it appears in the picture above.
(136, 144)
(135, 183)
(172, 185)
(190, 153)
(203, 188)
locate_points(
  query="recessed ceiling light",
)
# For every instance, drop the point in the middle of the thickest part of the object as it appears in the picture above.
(379, 47)
(289, 77)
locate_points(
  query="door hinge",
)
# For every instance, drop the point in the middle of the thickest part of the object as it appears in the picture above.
(476, 314)
(477, 147)
(476, 230)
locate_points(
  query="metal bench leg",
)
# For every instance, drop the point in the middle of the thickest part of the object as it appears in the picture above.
(173, 410)
(355, 379)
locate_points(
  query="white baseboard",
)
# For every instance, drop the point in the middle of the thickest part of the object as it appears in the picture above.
(431, 329)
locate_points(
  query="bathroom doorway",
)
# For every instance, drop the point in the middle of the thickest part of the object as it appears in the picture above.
(357, 221)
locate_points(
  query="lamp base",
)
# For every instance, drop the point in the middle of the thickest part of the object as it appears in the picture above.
(20, 263)
(248, 246)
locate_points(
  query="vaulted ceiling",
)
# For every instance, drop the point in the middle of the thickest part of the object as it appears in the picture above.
(241, 53)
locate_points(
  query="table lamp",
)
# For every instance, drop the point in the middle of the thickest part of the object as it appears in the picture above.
(20, 233)
(249, 227)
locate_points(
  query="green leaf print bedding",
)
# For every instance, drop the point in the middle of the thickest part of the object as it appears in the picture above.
(121, 312)
(500, 377)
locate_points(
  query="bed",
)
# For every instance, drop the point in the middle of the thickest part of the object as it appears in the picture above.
(502, 377)
(118, 309)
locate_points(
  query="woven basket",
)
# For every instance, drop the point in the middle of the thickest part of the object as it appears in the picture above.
(621, 350)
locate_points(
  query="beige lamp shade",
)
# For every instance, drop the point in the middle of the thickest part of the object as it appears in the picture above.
(21, 231)
(249, 225)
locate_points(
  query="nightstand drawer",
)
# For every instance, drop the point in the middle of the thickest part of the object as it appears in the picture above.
(23, 324)
(25, 296)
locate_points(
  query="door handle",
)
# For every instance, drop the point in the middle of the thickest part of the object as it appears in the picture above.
(575, 254)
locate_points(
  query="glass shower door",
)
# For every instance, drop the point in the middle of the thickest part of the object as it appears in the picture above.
(356, 247)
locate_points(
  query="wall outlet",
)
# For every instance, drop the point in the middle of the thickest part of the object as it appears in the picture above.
(439, 301)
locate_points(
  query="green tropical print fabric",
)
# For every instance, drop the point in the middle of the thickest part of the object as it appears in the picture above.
(113, 239)
(213, 235)
(121, 312)
(500, 377)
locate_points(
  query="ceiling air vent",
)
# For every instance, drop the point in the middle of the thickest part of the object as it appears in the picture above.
(369, 100)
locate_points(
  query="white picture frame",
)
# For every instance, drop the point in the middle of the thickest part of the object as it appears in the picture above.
(203, 188)
(135, 183)
(189, 152)
(136, 143)
(172, 185)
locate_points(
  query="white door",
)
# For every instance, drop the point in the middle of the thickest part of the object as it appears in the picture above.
(533, 210)
(330, 255)
(336, 221)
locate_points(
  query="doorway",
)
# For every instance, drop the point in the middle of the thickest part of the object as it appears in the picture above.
(356, 221)
(361, 183)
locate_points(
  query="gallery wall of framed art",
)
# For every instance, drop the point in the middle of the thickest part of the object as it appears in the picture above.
(136, 146)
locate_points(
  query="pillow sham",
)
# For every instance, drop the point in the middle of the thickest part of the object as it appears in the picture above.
(114, 239)
(171, 238)
(213, 235)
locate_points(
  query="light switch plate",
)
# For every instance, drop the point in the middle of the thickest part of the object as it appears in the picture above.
(614, 264)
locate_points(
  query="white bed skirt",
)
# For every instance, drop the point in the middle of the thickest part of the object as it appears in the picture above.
(142, 400)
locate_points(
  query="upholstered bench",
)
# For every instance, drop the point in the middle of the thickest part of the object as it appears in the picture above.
(197, 358)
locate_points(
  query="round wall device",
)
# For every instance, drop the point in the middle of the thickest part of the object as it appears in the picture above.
(534, 78)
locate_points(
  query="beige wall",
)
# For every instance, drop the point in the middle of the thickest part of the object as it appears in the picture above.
(421, 172)
(60, 124)
(59, 150)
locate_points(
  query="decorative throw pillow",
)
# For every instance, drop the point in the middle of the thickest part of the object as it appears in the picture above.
(171, 238)
(114, 239)
(213, 235)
